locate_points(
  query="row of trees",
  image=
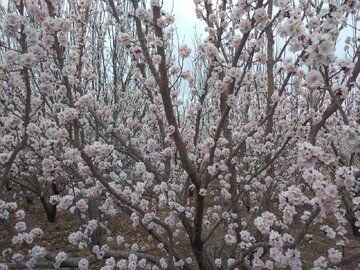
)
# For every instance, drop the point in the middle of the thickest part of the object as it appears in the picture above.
(223, 149)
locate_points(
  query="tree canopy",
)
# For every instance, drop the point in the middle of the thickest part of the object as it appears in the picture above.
(228, 153)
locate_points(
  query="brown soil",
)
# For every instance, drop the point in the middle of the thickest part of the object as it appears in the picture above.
(55, 236)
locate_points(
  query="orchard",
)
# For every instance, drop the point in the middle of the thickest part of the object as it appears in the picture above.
(238, 150)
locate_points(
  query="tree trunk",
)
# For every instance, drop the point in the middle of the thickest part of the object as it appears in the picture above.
(50, 210)
(96, 237)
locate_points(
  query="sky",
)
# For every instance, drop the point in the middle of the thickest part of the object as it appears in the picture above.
(185, 19)
(187, 25)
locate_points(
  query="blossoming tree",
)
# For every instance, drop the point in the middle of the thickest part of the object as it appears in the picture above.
(223, 156)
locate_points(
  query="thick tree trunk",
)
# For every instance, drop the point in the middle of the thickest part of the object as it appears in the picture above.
(50, 210)
(355, 229)
(29, 196)
(9, 185)
(350, 216)
(196, 239)
(96, 237)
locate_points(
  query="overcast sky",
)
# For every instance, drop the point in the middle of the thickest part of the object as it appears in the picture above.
(185, 19)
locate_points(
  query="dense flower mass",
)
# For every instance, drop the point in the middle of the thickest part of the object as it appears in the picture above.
(237, 150)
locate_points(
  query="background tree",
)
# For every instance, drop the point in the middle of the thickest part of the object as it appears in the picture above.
(102, 118)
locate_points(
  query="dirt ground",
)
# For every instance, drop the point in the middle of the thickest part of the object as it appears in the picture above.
(55, 236)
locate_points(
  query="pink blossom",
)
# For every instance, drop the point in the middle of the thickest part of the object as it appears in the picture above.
(211, 51)
(340, 91)
(218, 262)
(40, 15)
(83, 264)
(335, 256)
(84, 101)
(3, 266)
(11, 24)
(345, 177)
(202, 192)
(82, 205)
(20, 226)
(245, 26)
(275, 239)
(351, 137)
(161, 22)
(65, 201)
(230, 239)
(163, 263)
(231, 100)
(120, 240)
(167, 152)
(20, 214)
(67, 115)
(330, 233)
(142, 13)
(155, 3)
(38, 251)
(122, 264)
(37, 232)
(156, 59)
(110, 262)
(313, 78)
(262, 225)
(17, 257)
(11, 58)
(281, 3)
(27, 60)
(124, 39)
(185, 51)
(61, 256)
(260, 16)
(309, 154)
